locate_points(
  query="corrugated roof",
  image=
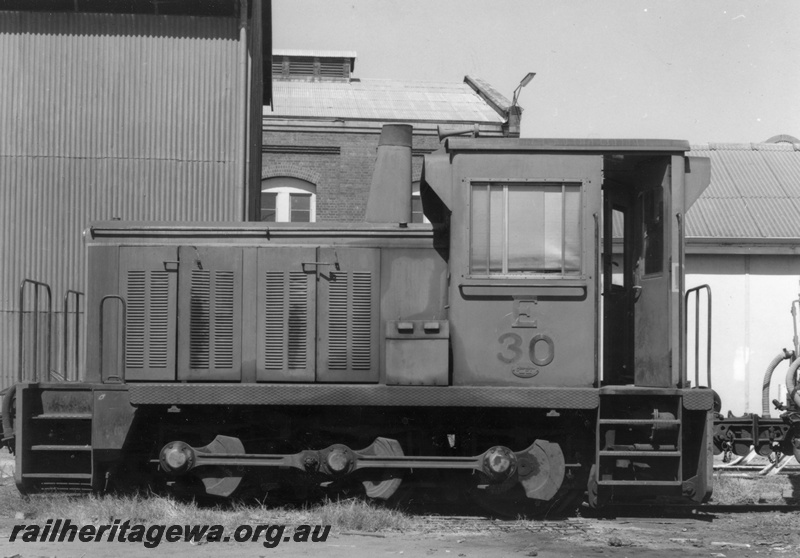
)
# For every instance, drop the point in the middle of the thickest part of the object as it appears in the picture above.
(382, 100)
(754, 192)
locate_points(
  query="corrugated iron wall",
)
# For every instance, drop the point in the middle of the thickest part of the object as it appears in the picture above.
(107, 116)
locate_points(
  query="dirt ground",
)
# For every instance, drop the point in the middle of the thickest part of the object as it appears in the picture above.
(703, 534)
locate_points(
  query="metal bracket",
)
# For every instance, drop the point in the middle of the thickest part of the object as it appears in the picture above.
(318, 264)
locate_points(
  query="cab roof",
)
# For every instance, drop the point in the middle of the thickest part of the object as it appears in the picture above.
(567, 144)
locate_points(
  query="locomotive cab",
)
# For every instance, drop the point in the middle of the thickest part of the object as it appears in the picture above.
(566, 259)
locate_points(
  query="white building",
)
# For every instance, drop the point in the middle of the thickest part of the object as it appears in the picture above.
(743, 239)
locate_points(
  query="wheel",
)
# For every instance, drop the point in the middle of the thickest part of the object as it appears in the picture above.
(221, 481)
(386, 483)
(595, 498)
(514, 503)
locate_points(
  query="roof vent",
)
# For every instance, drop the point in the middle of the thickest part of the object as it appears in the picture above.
(307, 65)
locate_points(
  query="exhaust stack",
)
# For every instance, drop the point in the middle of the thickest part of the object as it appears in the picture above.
(390, 192)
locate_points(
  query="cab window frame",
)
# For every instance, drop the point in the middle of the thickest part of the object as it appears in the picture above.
(575, 249)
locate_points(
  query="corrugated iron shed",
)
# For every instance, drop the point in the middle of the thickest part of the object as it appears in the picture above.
(129, 116)
(754, 193)
(382, 100)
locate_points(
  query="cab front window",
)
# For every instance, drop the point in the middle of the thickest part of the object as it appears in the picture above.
(525, 228)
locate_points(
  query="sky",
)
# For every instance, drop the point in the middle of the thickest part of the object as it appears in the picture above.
(700, 70)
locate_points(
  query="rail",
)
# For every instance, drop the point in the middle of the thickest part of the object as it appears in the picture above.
(696, 292)
(117, 377)
(37, 287)
(77, 297)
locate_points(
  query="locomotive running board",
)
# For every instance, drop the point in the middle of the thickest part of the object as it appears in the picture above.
(362, 395)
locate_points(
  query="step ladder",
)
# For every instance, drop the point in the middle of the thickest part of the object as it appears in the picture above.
(638, 443)
(55, 451)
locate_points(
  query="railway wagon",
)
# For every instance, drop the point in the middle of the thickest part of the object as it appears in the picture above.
(524, 347)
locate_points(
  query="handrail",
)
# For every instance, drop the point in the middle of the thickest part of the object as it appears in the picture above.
(37, 287)
(118, 378)
(795, 341)
(77, 296)
(696, 291)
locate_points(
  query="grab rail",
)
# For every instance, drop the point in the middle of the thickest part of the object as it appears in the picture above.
(696, 292)
(118, 378)
(37, 287)
(77, 297)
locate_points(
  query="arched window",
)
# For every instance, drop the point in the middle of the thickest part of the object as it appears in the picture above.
(287, 199)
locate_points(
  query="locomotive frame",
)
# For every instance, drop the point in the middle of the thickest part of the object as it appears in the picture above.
(528, 345)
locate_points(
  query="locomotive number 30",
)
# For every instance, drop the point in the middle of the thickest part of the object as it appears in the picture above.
(512, 349)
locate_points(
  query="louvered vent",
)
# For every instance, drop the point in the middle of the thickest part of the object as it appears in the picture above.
(298, 320)
(223, 319)
(337, 322)
(273, 319)
(205, 324)
(200, 326)
(159, 319)
(301, 67)
(332, 68)
(362, 320)
(147, 325)
(349, 321)
(135, 324)
(286, 321)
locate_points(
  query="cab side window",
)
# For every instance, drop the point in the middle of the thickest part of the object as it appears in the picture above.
(525, 228)
(653, 230)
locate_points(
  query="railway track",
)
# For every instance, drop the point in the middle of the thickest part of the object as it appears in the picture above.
(700, 511)
(754, 464)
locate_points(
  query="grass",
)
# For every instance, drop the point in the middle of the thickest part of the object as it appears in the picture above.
(352, 514)
(346, 515)
(734, 490)
(358, 515)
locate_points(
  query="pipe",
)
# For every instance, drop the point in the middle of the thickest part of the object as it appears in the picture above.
(780, 357)
(791, 386)
(242, 143)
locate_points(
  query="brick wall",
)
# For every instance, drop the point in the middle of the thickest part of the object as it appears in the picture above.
(342, 179)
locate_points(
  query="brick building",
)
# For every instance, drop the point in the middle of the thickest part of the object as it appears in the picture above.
(320, 135)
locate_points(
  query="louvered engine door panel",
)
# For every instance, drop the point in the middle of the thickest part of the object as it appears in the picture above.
(286, 314)
(210, 314)
(347, 315)
(150, 291)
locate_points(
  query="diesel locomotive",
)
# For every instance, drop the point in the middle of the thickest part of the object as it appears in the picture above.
(525, 346)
